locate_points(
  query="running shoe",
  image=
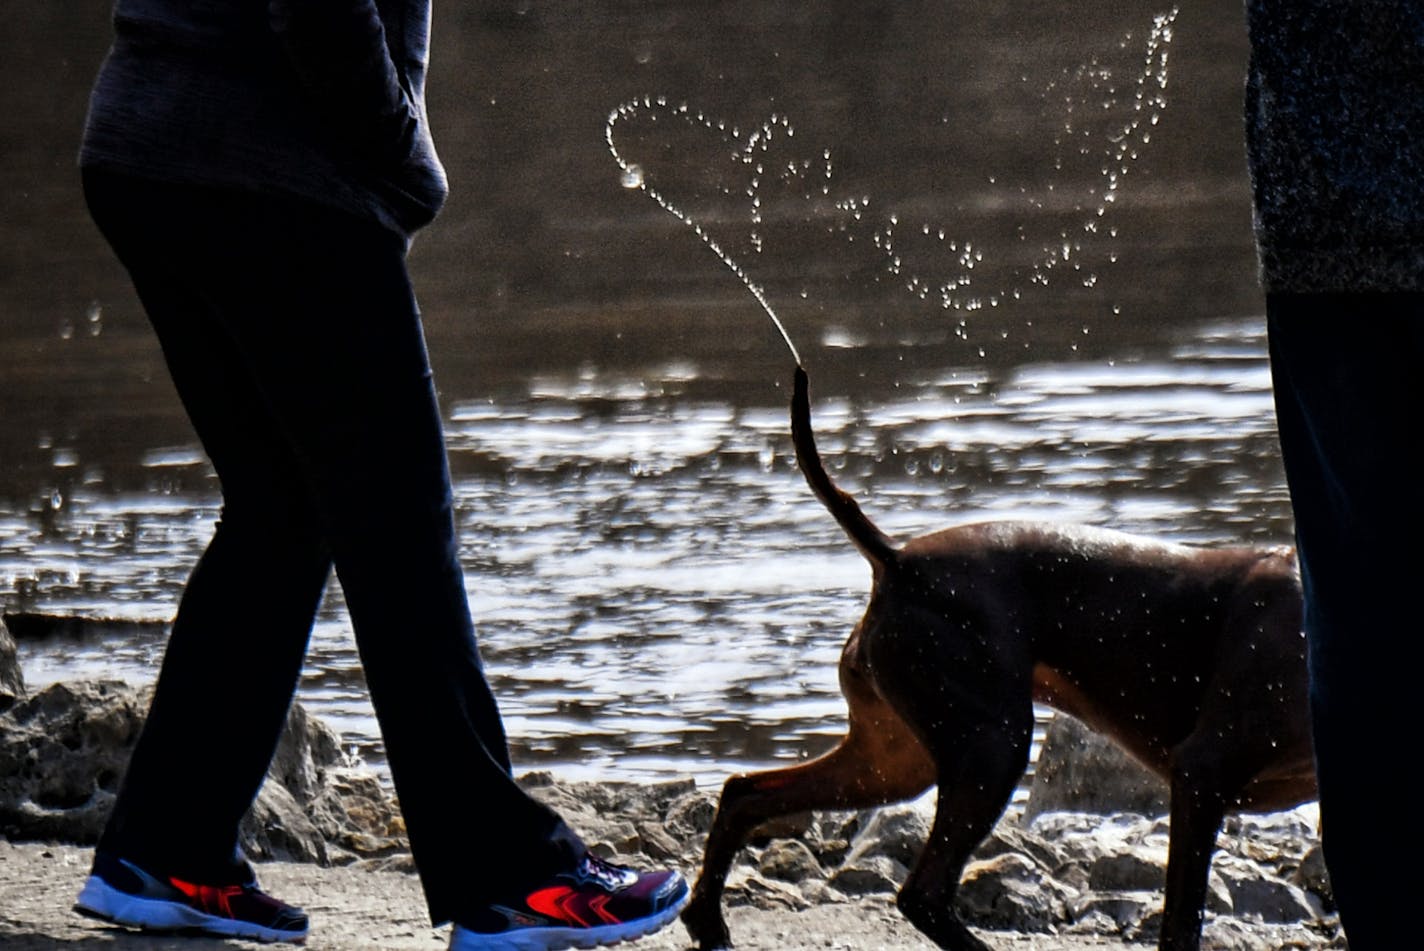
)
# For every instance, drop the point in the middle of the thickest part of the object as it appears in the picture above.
(120, 892)
(596, 903)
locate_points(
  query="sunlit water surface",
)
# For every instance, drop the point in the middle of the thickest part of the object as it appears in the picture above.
(657, 594)
(1009, 249)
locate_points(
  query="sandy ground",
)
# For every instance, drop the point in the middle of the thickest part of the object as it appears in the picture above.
(353, 909)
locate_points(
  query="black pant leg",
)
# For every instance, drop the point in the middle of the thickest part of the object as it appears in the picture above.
(321, 317)
(1346, 369)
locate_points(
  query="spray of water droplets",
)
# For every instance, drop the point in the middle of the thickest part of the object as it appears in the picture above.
(1105, 119)
(751, 152)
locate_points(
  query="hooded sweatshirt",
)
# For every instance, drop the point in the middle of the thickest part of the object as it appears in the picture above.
(322, 100)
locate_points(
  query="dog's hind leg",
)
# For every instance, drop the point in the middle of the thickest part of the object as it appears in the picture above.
(980, 765)
(879, 761)
(965, 686)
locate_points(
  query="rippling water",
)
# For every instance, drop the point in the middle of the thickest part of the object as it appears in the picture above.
(657, 593)
(1012, 245)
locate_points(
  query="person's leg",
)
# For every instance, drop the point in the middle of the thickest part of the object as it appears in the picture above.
(322, 319)
(241, 629)
(1346, 370)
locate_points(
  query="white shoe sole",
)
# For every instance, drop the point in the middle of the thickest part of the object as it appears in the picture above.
(558, 939)
(99, 899)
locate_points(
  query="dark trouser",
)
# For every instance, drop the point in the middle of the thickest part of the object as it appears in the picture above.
(1349, 383)
(295, 343)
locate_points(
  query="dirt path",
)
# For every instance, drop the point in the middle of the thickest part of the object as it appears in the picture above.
(355, 910)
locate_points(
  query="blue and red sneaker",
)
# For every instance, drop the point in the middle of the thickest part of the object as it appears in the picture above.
(120, 892)
(596, 903)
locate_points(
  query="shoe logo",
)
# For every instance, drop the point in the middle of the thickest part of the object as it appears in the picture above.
(212, 899)
(561, 903)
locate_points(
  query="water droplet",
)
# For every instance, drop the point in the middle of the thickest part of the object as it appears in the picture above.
(632, 176)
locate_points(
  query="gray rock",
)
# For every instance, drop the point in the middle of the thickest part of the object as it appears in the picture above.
(840, 826)
(1081, 771)
(12, 680)
(618, 819)
(1012, 837)
(869, 875)
(306, 750)
(797, 825)
(897, 832)
(1093, 922)
(1083, 837)
(1149, 929)
(830, 836)
(1113, 912)
(657, 843)
(64, 750)
(789, 860)
(819, 892)
(758, 892)
(1257, 895)
(1013, 892)
(357, 815)
(276, 827)
(691, 814)
(654, 798)
(613, 839)
(1312, 876)
(1218, 896)
(1277, 841)
(1137, 869)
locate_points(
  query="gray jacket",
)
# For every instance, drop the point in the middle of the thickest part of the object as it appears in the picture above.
(1335, 140)
(316, 99)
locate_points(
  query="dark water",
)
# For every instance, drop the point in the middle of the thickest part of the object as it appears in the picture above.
(1012, 245)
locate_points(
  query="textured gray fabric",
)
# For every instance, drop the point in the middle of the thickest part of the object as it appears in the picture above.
(1334, 102)
(318, 99)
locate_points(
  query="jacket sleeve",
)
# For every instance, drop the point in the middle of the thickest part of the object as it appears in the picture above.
(339, 52)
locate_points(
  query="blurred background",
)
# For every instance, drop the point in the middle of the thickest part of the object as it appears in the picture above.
(1011, 241)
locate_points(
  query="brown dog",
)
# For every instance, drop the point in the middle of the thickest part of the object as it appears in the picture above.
(1191, 659)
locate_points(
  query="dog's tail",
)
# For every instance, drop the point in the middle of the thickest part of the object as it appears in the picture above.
(872, 542)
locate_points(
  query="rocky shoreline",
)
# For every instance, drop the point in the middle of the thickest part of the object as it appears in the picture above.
(1068, 870)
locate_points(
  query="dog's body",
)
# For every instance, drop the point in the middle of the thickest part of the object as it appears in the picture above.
(1191, 659)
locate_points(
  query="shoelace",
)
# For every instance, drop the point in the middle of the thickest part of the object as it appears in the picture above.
(611, 877)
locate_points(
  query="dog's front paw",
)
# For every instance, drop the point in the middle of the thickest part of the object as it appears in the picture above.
(704, 922)
(939, 923)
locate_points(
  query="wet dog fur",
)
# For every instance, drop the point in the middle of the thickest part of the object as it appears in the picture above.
(1191, 659)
